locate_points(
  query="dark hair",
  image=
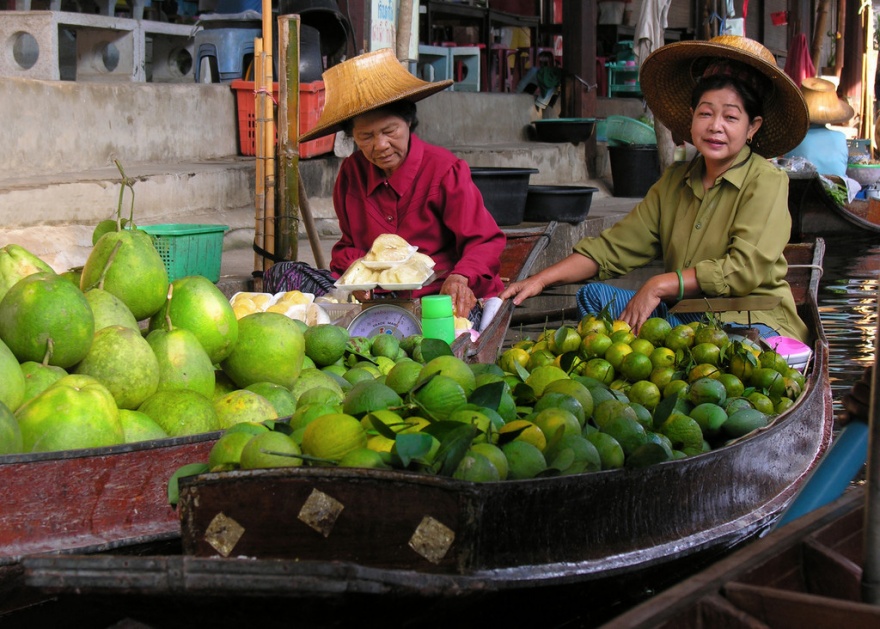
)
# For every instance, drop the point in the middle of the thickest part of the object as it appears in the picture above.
(401, 108)
(752, 97)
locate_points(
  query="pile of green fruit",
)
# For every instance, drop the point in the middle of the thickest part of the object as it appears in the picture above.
(576, 399)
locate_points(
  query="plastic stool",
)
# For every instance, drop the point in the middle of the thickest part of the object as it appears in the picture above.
(225, 49)
(434, 63)
(466, 68)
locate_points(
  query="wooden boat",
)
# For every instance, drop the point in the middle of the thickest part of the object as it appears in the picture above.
(815, 213)
(92, 500)
(397, 547)
(524, 245)
(805, 574)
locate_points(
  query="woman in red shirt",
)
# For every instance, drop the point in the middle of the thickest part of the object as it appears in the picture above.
(396, 183)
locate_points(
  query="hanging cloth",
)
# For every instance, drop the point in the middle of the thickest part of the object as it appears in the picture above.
(650, 28)
(799, 65)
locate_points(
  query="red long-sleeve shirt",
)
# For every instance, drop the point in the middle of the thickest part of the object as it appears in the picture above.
(430, 201)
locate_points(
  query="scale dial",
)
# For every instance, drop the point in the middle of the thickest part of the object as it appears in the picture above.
(385, 319)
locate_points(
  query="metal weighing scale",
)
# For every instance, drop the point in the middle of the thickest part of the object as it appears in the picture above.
(385, 319)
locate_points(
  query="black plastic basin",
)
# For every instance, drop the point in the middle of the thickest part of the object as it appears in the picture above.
(564, 129)
(567, 204)
(504, 191)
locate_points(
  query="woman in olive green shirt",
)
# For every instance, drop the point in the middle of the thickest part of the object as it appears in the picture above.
(720, 222)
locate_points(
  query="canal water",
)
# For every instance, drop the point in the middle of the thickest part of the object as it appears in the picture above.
(848, 308)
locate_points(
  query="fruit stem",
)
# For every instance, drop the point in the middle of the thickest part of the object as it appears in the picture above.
(168, 325)
(50, 348)
(126, 182)
(304, 457)
(110, 260)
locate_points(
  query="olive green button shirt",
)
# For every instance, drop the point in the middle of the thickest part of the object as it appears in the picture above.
(733, 235)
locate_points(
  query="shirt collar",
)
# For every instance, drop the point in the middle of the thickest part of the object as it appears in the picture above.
(736, 174)
(404, 177)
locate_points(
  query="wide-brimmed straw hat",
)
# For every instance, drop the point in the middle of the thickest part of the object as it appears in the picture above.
(367, 82)
(823, 103)
(669, 75)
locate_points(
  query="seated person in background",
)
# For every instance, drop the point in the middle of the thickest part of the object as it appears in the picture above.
(397, 183)
(720, 222)
(825, 148)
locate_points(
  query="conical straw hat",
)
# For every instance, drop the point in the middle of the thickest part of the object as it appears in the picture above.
(668, 77)
(367, 82)
(822, 102)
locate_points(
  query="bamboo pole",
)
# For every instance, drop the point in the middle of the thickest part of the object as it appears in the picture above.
(870, 585)
(822, 10)
(259, 165)
(288, 137)
(404, 31)
(268, 135)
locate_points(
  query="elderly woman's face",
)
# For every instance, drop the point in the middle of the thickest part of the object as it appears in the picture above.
(720, 125)
(383, 138)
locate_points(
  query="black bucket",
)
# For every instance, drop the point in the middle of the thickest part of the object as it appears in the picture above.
(567, 204)
(634, 168)
(324, 15)
(311, 64)
(504, 191)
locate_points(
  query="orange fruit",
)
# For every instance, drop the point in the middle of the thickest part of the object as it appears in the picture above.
(268, 450)
(181, 412)
(512, 357)
(622, 336)
(711, 334)
(595, 344)
(679, 338)
(655, 330)
(591, 323)
(599, 369)
(564, 339)
(646, 393)
(616, 353)
(708, 353)
(528, 432)
(636, 366)
(662, 357)
(332, 436)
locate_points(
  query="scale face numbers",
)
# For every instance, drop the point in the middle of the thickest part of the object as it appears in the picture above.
(385, 319)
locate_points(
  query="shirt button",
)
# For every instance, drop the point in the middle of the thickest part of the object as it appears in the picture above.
(389, 218)
(698, 225)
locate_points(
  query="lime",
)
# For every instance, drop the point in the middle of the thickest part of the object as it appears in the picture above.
(385, 345)
(662, 376)
(574, 454)
(609, 409)
(495, 455)
(364, 458)
(642, 346)
(616, 353)
(325, 343)
(332, 436)
(710, 417)
(540, 377)
(368, 396)
(526, 431)
(655, 330)
(636, 366)
(708, 390)
(743, 422)
(226, 452)
(683, 431)
(476, 468)
(680, 337)
(610, 452)
(524, 460)
(555, 399)
(703, 370)
(646, 393)
(676, 387)
(600, 369)
(662, 357)
(451, 367)
(761, 402)
(270, 449)
(552, 421)
(628, 432)
(564, 339)
(439, 396)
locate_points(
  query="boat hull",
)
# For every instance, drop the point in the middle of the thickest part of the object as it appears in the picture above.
(814, 213)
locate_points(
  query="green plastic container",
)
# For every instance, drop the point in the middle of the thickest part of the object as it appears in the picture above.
(188, 249)
(623, 131)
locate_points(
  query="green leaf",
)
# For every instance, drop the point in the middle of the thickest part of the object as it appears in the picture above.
(453, 448)
(664, 409)
(440, 430)
(193, 469)
(509, 435)
(488, 395)
(432, 348)
(381, 427)
(521, 371)
(409, 446)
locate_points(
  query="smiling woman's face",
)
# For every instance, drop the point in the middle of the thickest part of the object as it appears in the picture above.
(383, 138)
(720, 125)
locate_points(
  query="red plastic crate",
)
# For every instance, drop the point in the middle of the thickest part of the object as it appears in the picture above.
(311, 104)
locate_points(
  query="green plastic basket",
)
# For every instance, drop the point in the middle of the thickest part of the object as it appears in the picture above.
(188, 249)
(624, 130)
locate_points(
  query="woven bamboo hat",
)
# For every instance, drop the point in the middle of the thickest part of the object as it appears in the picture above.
(822, 102)
(669, 75)
(367, 82)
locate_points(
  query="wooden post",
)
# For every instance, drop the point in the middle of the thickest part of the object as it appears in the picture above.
(260, 163)
(404, 31)
(288, 137)
(268, 134)
(871, 523)
(841, 48)
(822, 10)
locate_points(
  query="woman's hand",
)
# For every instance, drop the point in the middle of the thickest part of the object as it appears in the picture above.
(643, 303)
(463, 298)
(522, 290)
